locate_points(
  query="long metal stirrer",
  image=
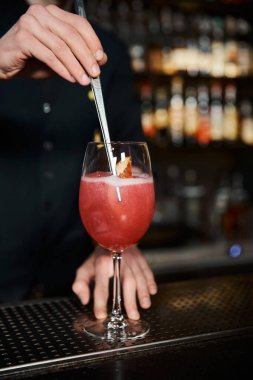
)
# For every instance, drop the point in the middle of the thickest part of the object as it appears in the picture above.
(99, 101)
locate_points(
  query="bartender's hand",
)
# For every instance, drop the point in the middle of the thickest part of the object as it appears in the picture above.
(137, 281)
(46, 39)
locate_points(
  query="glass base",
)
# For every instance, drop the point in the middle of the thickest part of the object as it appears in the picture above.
(110, 330)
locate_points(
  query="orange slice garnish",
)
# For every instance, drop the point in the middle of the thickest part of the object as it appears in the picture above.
(124, 168)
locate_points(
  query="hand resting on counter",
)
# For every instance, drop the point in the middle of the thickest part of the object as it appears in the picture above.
(137, 281)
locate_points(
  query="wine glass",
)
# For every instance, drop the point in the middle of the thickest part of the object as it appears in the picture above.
(116, 207)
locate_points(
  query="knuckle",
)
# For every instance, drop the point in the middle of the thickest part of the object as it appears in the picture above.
(151, 284)
(83, 22)
(36, 10)
(102, 260)
(51, 7)
(131, 307)
(139, 277)
(100, 294)
(24, 21)
(49, 58)
(72, 35)
(60, 48)
(21, 36)
(129, 283)
(143, 294)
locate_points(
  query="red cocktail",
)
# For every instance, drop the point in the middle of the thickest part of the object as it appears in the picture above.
(116, 207)
(116, 225)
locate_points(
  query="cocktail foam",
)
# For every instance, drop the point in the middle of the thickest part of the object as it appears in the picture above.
(116, 181)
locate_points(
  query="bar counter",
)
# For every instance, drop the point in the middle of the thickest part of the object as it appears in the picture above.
(200, 328)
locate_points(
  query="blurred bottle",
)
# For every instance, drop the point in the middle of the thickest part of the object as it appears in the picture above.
(161, 117)
(236, 219)
(155, 42)
(192, 56)
(244, 58)
(172, 197)
(104, 13)
(217, 47)
(194, 206)
(204, 41)
(167, 220)
(147, 110)
(230, 114)
(220, 206)
(190, 115)
(166, 15)
(122, 22)
(216, 113)
(176, 112)
(203, 132)
(246, 122)
(179, 42)
(138, 37)
(231, 49)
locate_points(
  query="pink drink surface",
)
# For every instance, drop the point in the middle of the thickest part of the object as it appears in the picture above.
(112, 224)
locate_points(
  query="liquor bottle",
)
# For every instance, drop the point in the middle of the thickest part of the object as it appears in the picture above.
(194, 205)
(192, 47)
(155, 42)
(176, 112)
(168, 67)
(204, 42)
(204, 55)
(231, 67)
(244, 58)
(203, 132)
(246, 121)
(220, 206)
(172, 207)
(216, 113)
(244, 32)
(230, 124)
(122, 22)
(190, 115)
(161, 119)
(105, 14)
(179, 43)
(138, 37)
(147, 110)
(236, 219)
(217, 47)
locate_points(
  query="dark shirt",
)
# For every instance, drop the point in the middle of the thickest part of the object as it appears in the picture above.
(44, 127)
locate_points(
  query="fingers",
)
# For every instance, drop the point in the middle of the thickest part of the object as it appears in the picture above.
(141, 287)
(129, 294)
(103, 271)
(137, 279)
(39, 50)
(149, 276)
(140, 281)
(80, 286)
(84, 28)
(70, 39)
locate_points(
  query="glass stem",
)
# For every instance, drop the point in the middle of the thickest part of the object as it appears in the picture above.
(116, 305)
